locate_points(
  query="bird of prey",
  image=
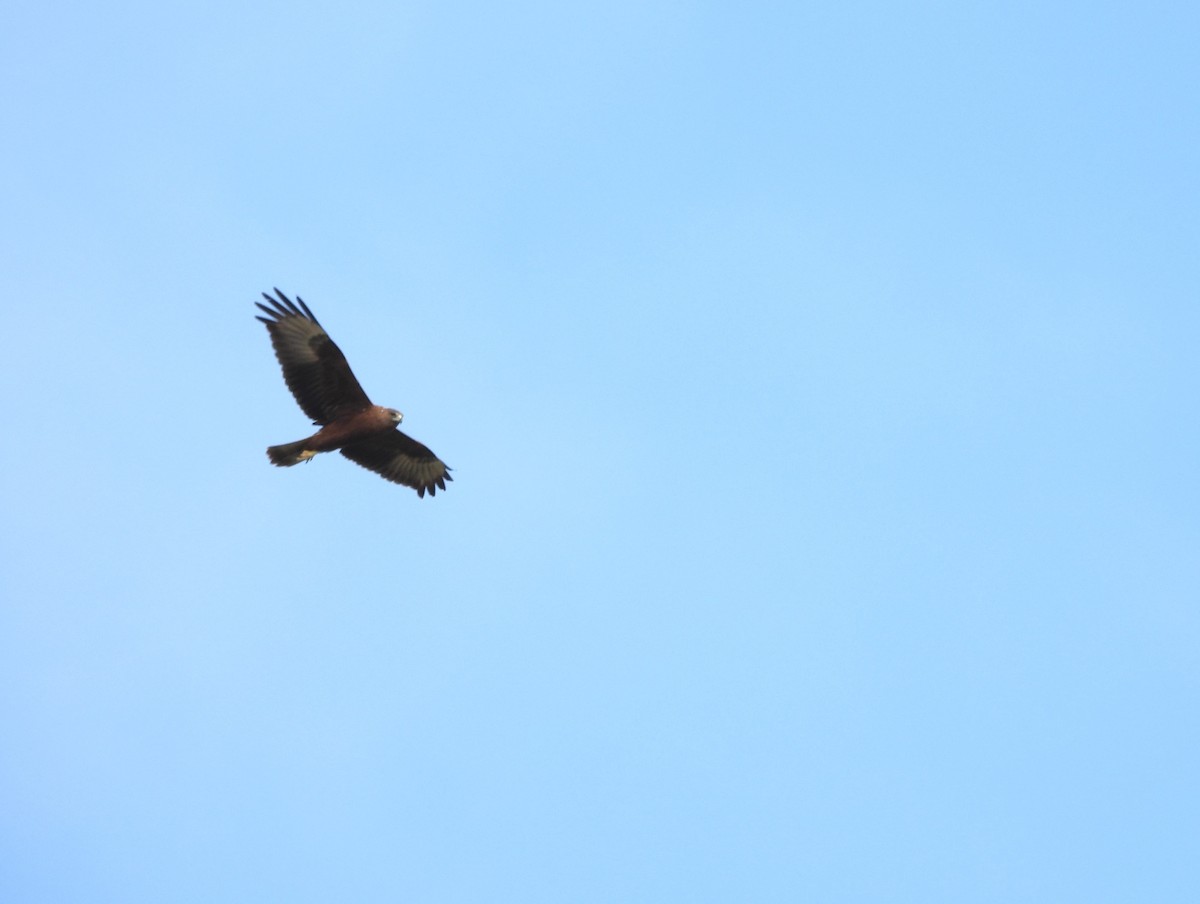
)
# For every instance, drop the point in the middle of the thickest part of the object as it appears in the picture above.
(320, 378)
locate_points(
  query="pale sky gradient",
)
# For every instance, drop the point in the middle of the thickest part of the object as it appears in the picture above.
(820, 382)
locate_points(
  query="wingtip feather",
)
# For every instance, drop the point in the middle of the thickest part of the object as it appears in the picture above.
(281, 306)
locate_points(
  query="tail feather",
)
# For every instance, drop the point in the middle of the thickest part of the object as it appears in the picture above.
(289, 454)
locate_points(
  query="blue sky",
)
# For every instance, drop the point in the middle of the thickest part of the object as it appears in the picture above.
(820, 384)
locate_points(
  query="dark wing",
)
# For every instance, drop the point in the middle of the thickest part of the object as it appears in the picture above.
(400, 459)
(314, 368)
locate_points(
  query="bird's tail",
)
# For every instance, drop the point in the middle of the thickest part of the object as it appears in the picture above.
(289, 454)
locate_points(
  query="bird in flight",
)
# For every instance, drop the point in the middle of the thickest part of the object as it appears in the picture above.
(320, 378)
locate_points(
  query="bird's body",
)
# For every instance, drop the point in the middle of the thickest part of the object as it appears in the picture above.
(320, 378)
(333, 436)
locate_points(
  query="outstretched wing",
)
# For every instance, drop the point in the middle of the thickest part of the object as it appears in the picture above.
(314, 368)
(400, 459)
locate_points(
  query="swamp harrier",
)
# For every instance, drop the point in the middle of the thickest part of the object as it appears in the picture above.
(320, 378)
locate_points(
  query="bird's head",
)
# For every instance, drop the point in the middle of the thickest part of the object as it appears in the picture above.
(395, 415)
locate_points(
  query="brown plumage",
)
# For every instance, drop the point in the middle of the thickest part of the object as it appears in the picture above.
(320, 378)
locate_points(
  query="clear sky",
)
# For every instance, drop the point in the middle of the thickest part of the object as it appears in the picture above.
(821, 386)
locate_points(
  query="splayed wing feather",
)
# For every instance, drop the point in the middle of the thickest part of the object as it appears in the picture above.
(401, 459)
(314, 367)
